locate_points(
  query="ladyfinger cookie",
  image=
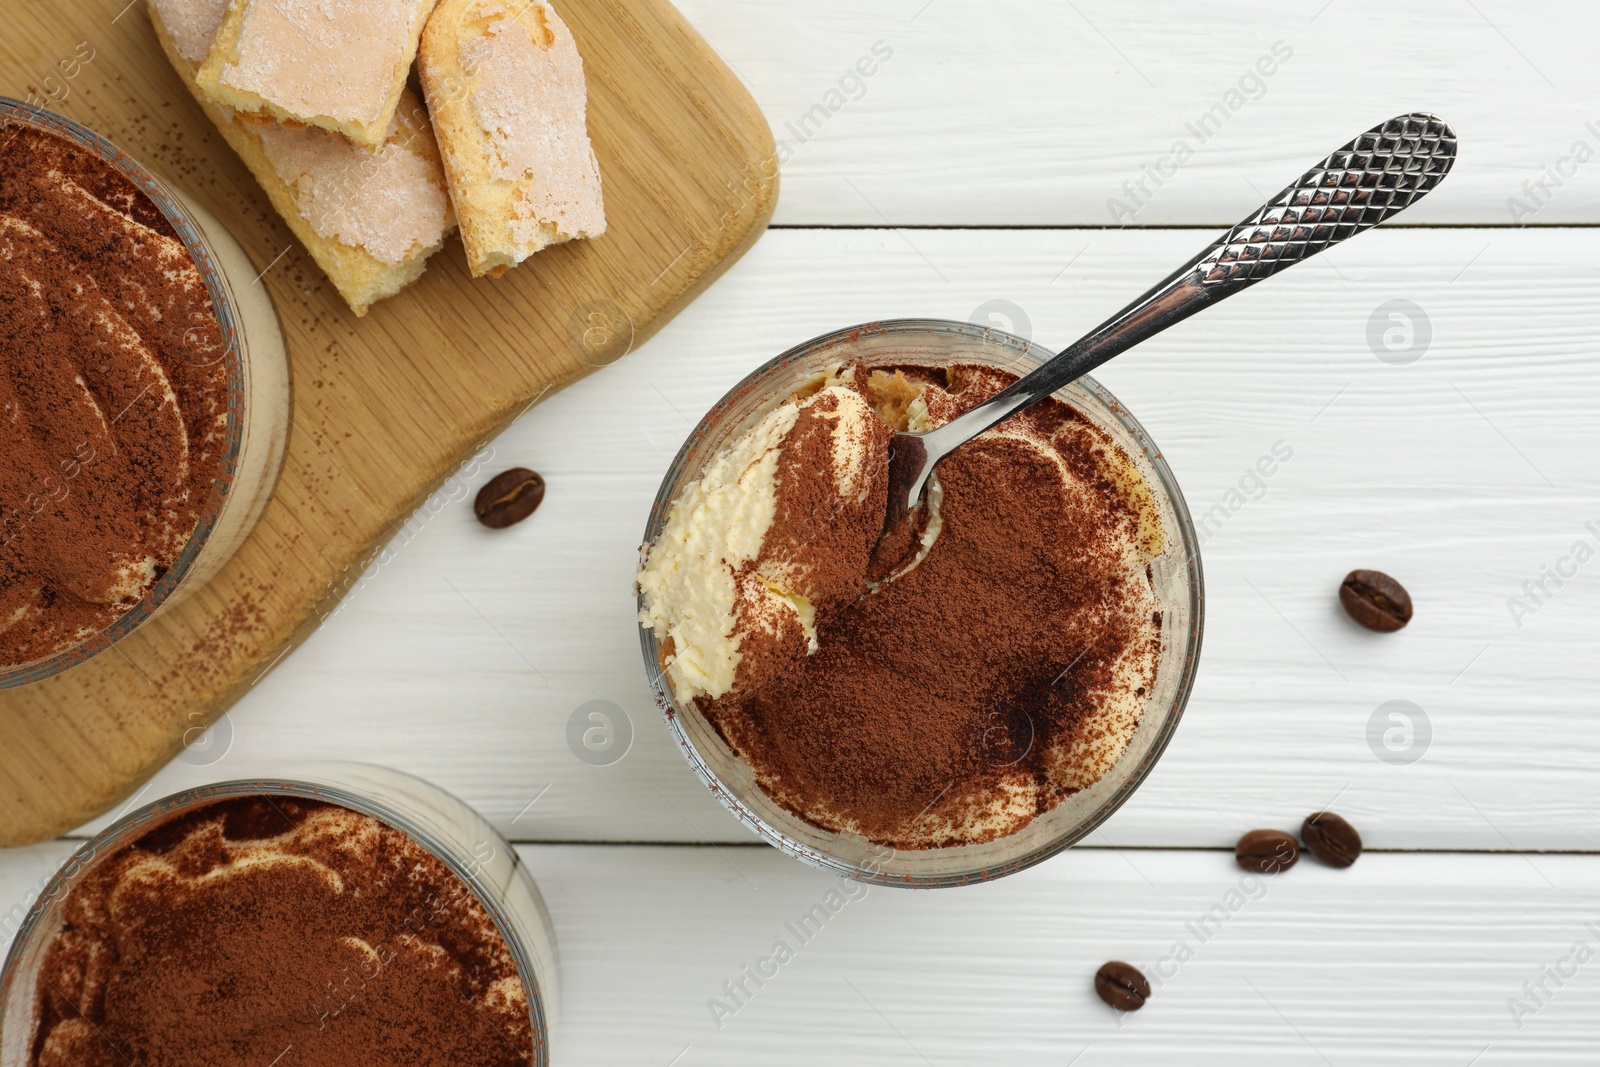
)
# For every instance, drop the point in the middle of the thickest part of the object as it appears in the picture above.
(336, 64)
(505, 87)
(369, 219)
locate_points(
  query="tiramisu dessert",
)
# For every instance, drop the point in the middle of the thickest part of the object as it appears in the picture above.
(945, 696)
(274, 930)
(113, 395)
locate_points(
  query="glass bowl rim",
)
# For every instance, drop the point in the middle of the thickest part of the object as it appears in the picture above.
(726, 794)
(189, 231)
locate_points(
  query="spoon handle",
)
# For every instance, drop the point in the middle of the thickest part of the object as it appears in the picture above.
(1374, 177)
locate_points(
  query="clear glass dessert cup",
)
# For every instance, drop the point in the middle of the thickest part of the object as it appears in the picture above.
(1176, 581)
(258, 396)
(447, 828)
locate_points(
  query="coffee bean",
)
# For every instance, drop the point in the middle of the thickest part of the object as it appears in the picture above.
(1122, 985)
(1375, 600)
(1266, 851)
(509, 498)
(1330, 839)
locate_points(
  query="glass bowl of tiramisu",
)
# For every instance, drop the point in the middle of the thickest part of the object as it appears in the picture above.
(144, 400)
(341, 913)
(934, 709)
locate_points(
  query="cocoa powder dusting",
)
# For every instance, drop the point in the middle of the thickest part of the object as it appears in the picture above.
(273, 930)
(827, 563)
(1001, 674)
(113, 394)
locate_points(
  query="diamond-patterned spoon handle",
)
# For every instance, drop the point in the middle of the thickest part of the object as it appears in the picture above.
(1374, 177)
(1377, 175)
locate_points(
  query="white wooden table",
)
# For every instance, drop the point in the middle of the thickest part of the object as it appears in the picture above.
(980, 172)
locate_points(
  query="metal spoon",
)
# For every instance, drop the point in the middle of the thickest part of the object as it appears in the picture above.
(1374, 177)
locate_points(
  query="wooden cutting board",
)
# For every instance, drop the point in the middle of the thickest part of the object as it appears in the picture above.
(385, 407)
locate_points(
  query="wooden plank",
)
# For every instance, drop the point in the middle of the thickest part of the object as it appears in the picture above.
(385, 408)
(1400, 959)
(1022, 113)
(464, 656)
(1407, 959)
